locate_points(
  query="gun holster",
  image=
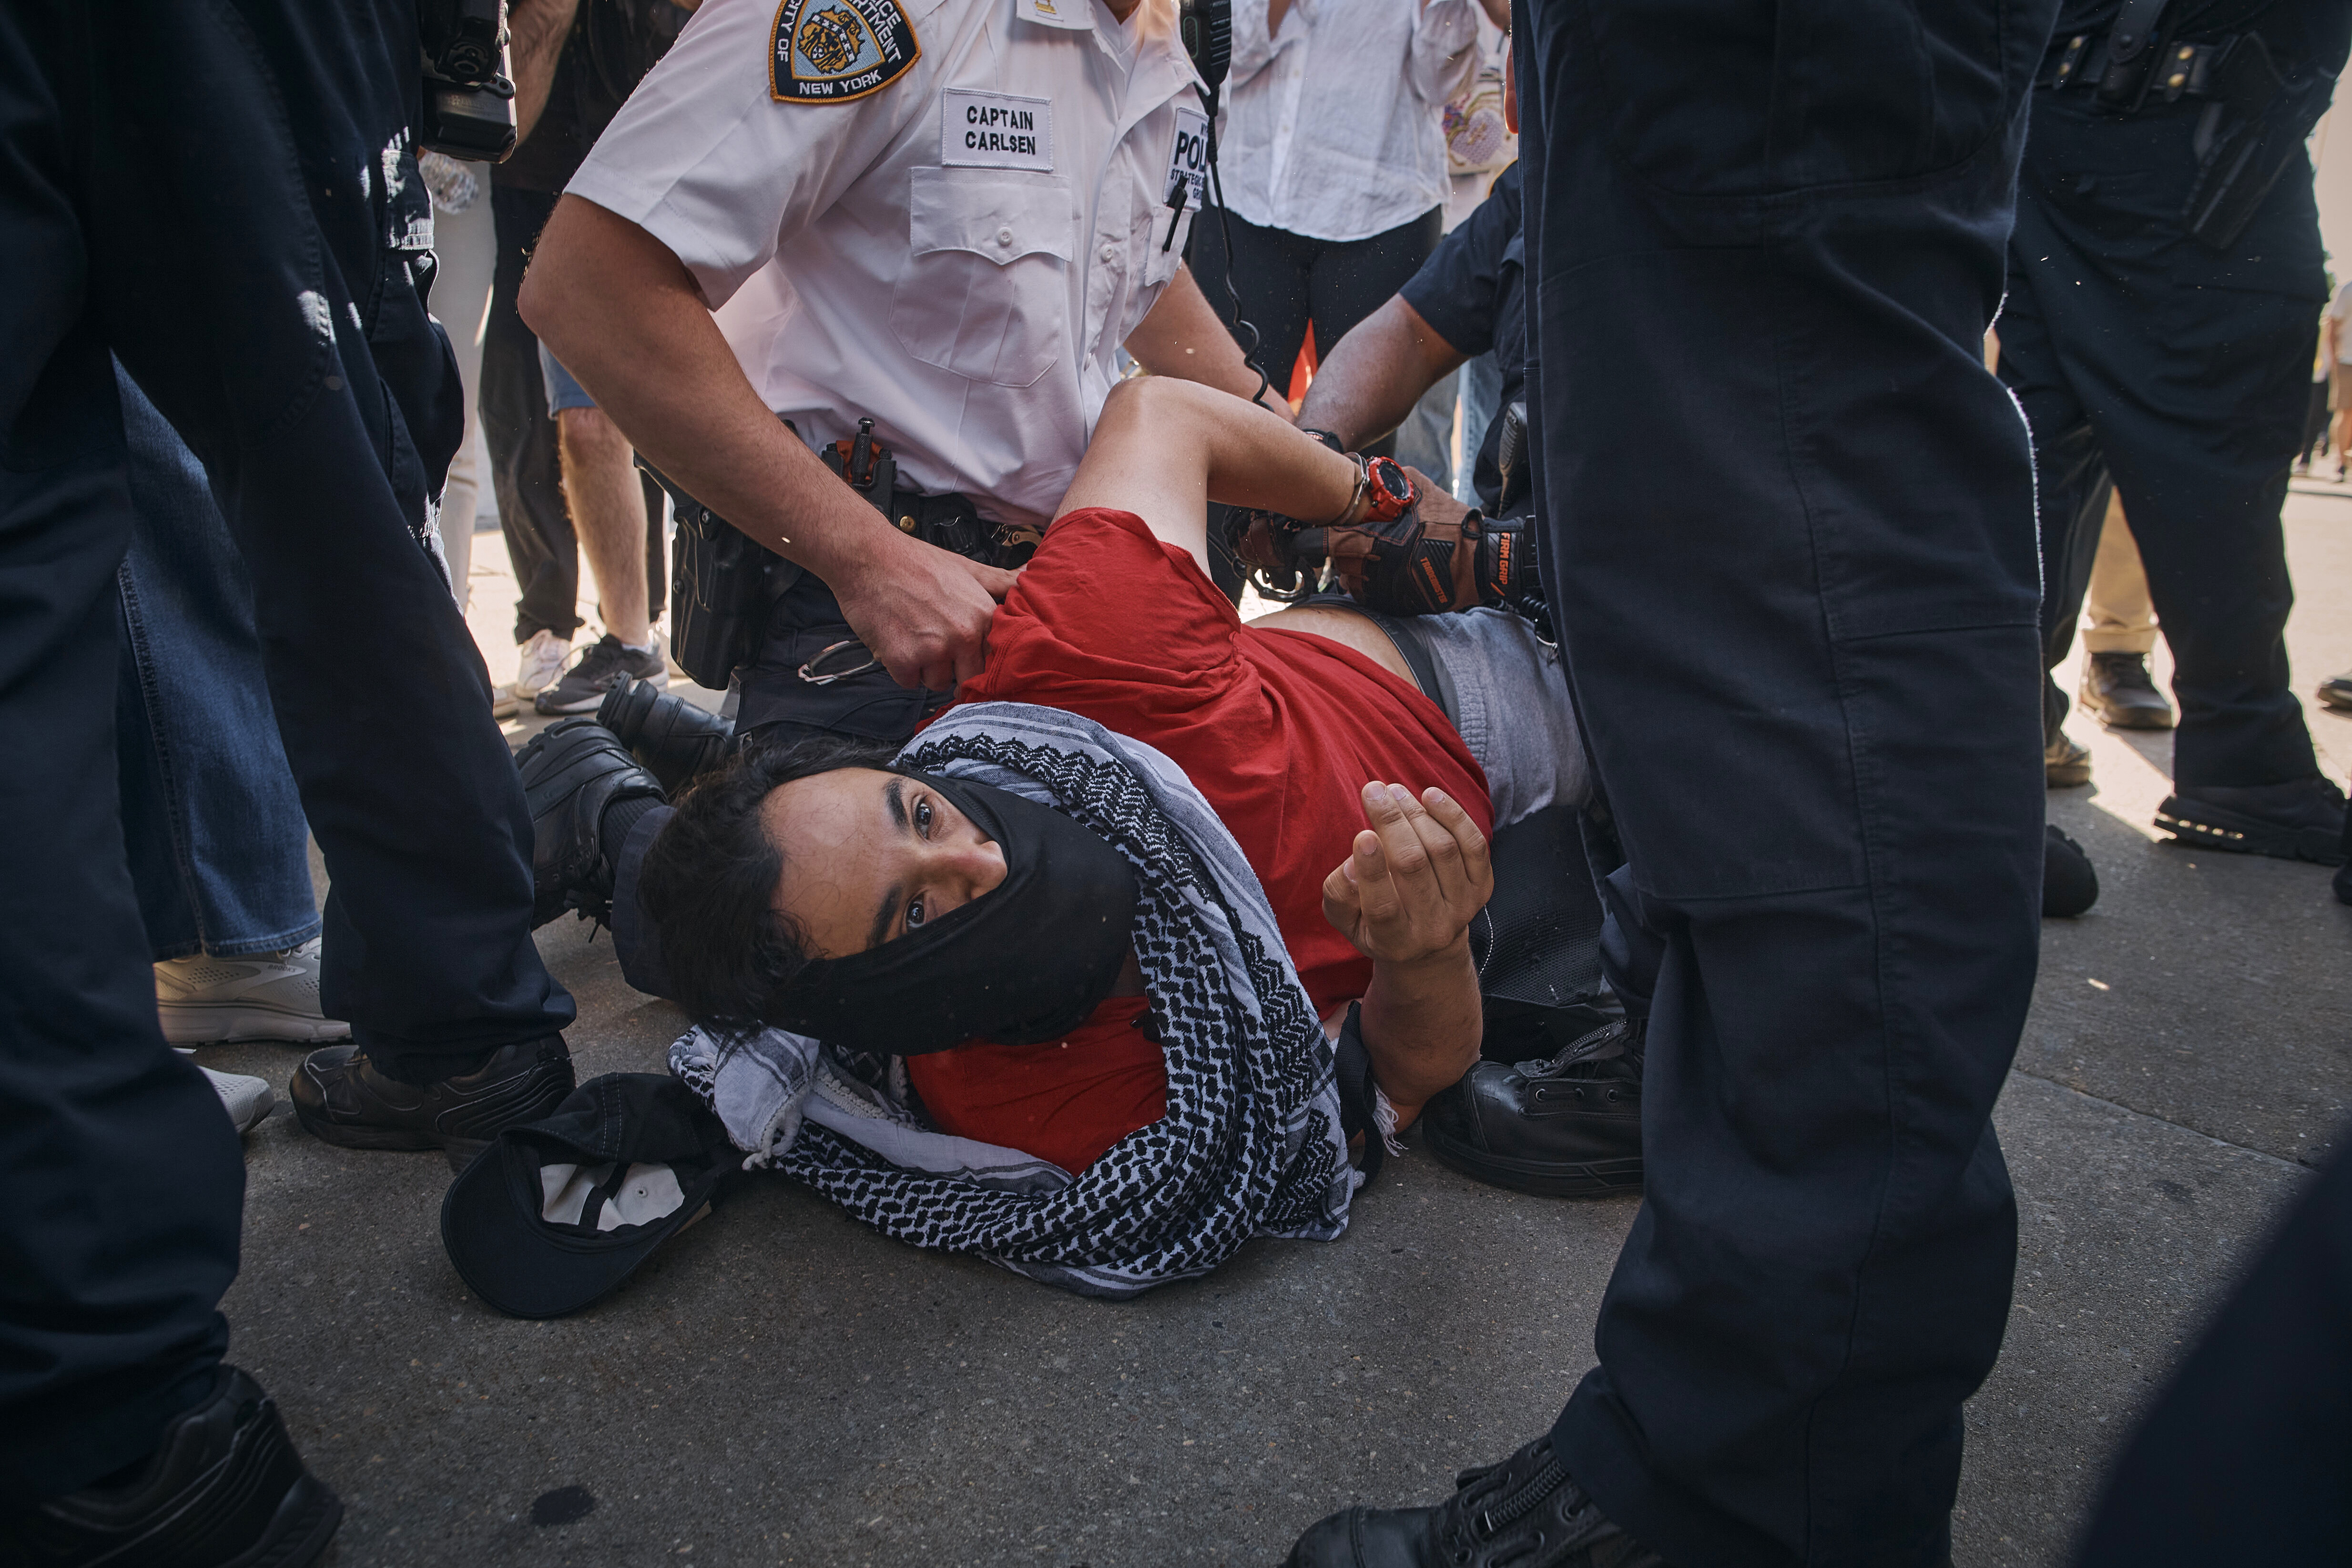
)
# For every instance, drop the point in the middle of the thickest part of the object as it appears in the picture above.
(2249, 135)
(722, 583)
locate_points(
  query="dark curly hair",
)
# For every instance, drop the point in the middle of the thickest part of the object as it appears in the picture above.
(709, 878)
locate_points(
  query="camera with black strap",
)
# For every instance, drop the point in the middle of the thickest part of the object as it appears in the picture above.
(724, 582)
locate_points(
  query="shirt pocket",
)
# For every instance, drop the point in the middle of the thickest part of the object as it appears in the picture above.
(986, 289)
(1164, 246)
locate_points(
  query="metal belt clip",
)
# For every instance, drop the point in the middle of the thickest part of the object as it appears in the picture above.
(808, 671)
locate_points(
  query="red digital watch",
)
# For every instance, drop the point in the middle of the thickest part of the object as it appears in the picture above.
(1388, 491)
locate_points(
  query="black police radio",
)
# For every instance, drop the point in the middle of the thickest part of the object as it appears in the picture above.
(469, 88)
(1206, 27)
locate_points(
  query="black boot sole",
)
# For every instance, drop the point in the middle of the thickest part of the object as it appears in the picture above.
(461, 1151)
(306, 1522)
(2235, 834)
(1541, 1178)
(2117, 717)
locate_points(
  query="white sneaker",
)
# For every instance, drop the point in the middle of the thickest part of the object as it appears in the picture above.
(538, 661)
(247, 1100)
(263, 997)
(504, 704)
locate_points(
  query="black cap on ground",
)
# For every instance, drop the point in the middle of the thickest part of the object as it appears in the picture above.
(557, 1213)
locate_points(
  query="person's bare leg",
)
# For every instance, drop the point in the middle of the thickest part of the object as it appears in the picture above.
(608, 513)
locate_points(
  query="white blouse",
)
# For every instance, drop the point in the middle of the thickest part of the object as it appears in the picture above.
(1333, 129)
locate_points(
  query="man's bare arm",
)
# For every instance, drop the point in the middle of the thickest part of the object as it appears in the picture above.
(624, 314)
(1181, 336)
(536, 30)
(1163, 448)
(1413, 882)
(1375, 374)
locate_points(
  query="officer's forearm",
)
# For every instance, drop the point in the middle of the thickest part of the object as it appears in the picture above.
(1181, 336)
(1375, 374)
(625, 317)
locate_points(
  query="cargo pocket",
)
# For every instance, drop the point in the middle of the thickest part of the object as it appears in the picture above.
(986, 290)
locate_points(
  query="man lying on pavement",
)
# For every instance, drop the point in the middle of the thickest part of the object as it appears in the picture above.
(1092, 916)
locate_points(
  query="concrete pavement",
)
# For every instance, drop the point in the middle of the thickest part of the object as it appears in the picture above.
(781, 1386)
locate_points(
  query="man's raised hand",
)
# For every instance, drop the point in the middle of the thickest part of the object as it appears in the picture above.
(1414, 878)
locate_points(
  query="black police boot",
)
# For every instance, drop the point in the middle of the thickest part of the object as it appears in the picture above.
(2070, 884)
(572, 772)
(1525, 1510)
(1569, 1127)
(340, 1098)
(2300, 820)
(674, 739)
(2118, 691)
(224, 1487)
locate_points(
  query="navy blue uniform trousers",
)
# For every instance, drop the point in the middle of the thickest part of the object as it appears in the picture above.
(2183, 373)
(221, 193)
(2247, 1456)
(1793, 518)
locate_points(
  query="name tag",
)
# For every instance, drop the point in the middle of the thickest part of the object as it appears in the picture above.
(1190, 161)
(1079, 15)
(993, 131)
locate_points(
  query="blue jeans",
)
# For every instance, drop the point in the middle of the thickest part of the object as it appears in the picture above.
(1482, 400)
(210, 814)
(1425, 439)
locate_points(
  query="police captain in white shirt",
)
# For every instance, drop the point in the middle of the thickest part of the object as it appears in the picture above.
(944, 215)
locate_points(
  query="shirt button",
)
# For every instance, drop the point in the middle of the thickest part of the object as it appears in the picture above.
(1110, 253)
(1004, 237)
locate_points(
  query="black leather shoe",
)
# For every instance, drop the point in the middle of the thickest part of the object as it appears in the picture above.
(2070, 884)
(2301, 820)
(224, 1488)
(675, 739)
(341, 1098)
(1570, 1127)
(2119, 693)
(1525, 1510)
(2336, 692)
(571, 772)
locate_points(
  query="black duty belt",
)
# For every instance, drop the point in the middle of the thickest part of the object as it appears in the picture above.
(2177, 70)
(950, 520)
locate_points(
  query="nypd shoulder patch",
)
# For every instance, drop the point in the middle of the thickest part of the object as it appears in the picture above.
(834, 51)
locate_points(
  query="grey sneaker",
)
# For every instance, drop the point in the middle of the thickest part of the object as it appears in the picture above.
(263, 997)
(607, 662)
(247, 1100)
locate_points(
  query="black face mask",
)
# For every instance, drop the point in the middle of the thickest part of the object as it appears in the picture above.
(1022, 963)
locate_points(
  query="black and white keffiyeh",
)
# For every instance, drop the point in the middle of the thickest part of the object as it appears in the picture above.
(1251, 1144)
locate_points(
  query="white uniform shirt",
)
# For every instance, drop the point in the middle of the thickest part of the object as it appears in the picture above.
(956, 252)
(1334, 129)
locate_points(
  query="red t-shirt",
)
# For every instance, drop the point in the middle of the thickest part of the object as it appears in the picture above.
(1278, 729)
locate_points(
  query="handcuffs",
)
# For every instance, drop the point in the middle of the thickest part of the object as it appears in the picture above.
(1382, 552)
